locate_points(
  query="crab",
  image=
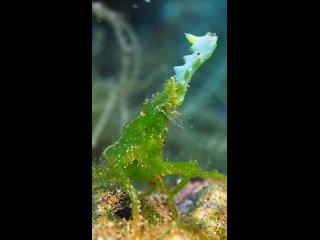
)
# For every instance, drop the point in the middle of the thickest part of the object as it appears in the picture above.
(138, 154)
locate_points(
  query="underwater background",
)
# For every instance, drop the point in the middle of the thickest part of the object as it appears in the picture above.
(135, 46)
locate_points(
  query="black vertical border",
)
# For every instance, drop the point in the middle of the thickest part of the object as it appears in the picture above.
(47, 161)
(248, 122)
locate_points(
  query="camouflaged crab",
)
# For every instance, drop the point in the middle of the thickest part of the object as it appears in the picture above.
(138, 154)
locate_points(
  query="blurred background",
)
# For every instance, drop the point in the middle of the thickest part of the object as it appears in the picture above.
(135, 45)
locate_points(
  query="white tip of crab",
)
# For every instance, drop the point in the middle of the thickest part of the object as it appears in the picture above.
(190, 37)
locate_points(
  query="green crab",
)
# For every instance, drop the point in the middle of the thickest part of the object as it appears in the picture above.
(138, 154)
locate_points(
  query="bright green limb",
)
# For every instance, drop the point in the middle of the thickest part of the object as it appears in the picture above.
(186, 179)
(213, 175)
(130, 190)
(189, 170)
(181, 184)
(163, 187)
